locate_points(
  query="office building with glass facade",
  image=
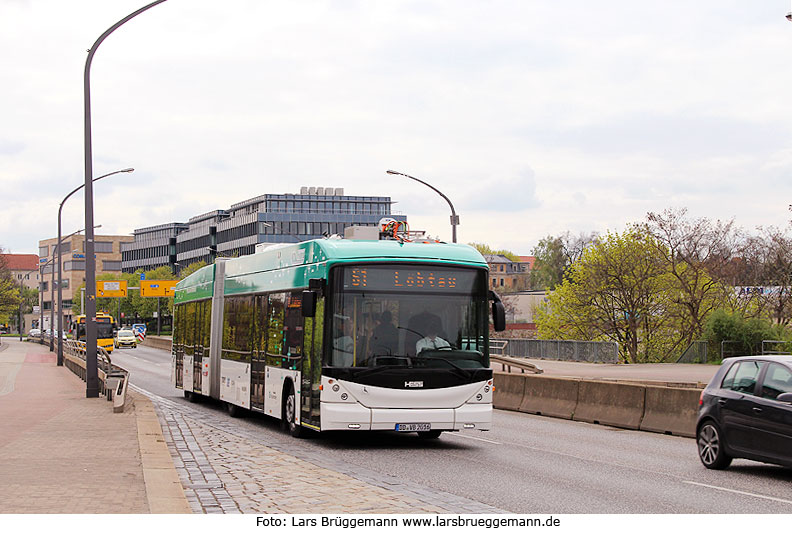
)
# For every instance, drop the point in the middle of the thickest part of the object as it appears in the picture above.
(270, 218)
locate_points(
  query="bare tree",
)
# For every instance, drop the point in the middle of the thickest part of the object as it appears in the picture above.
(699, 254)
(774, 289)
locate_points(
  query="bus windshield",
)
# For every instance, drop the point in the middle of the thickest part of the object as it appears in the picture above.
(409, 316)
(104, 330)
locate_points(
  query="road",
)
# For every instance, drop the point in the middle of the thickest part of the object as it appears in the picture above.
(526, 464)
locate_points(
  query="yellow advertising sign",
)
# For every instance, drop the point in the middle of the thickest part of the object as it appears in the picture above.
(111, 289)
(157, 288)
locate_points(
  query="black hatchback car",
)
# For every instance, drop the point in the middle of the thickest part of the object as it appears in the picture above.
(746, 411)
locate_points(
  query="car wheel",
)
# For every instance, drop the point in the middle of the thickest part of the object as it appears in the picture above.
(711, 446)
(290, 413)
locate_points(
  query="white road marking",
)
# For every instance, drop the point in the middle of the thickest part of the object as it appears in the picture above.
(474, 438)
(753, 495)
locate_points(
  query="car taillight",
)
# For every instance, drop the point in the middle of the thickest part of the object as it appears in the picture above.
(701, 398)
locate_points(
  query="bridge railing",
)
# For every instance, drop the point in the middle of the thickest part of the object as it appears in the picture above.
(558, 350)
(112, 378)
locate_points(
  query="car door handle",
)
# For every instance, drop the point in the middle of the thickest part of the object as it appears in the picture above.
(757, 409)
(722, 402)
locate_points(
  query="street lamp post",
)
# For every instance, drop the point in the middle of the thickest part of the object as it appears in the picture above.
(91, 374)
(57, 246)
(60, 277)
(454, 216)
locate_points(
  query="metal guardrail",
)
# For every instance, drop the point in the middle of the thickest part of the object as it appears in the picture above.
(113, 379)
(558, 350)
(695, 353)
(498, 346)
(509, 362)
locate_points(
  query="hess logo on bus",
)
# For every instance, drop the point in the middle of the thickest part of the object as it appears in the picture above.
(413, 384)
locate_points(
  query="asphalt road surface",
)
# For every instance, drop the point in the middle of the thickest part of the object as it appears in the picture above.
(526, 464)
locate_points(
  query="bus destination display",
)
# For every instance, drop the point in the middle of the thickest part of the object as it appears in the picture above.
(408, 279)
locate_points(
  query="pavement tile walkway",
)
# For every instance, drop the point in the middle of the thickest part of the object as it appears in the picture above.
(59, 451)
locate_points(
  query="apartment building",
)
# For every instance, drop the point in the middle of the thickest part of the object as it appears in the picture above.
(107, 249)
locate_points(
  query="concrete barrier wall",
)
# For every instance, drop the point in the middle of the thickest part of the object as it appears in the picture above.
(671, 411)
(160, 343)
(634, 406)
(548, 396)
(509, 390)
(612, 404)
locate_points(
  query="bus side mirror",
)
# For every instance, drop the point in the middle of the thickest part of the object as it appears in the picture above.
(309, 299)
(498, 312)
(498, 316)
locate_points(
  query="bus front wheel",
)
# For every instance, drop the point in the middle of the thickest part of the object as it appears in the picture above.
(290, 413)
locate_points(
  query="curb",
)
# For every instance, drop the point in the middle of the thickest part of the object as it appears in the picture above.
(164, 490)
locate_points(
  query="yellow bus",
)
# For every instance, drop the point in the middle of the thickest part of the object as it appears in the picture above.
(105, 327)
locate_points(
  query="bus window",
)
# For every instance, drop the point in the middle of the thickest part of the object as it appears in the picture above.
(293, 328)
(238, 328)
(275, 330)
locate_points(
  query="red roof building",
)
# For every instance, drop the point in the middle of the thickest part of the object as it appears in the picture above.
(24, 268)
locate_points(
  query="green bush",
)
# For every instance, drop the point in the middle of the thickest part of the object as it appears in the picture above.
(743, 336)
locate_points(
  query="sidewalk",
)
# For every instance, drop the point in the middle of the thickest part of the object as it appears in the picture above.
(61, 452)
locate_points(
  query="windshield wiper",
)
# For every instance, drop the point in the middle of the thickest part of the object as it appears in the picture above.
(377, 369)
(457, 369)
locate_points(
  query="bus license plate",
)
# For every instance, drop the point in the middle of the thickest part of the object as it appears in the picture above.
(413, 427)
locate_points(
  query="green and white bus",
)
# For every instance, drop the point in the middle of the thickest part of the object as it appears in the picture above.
(337, 334)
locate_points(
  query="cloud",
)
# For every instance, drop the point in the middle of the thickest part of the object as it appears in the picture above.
(674, 136)
(9, 147)
(504, 193)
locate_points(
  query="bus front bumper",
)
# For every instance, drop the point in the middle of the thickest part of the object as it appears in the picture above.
(346, 416)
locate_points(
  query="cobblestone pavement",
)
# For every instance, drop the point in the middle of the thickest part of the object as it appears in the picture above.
(227, 467)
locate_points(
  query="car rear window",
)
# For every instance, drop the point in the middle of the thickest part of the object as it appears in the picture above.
(777, 380)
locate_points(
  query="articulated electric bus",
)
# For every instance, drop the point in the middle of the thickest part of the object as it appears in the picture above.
(337, 334)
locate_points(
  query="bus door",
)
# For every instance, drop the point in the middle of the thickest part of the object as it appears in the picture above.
(177, 348)
(258, 364)
(203, 319)
(311, 368)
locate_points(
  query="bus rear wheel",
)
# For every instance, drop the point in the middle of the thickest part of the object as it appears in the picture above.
(234, 411)
(290, 413)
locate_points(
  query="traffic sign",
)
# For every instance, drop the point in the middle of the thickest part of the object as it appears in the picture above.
(157, 288)
(111, 289)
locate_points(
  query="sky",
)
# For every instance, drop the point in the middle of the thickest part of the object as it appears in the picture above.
(534, 117)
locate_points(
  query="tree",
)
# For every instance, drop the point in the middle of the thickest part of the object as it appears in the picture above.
(191, 268)
(775, 277)
(699, 255)
(617, 290)
(484, 249)
(554, 256)
(9, 292)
